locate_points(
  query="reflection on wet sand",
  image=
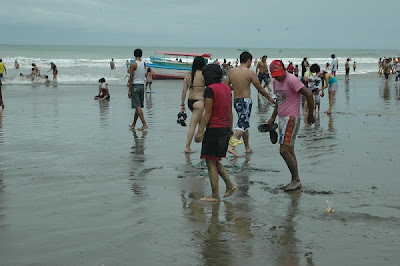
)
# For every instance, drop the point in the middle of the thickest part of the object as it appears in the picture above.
(103, 105)
(224, 238)
(385, 92)
(138, 158)
(149, 105)
(318, 140)
(347, 91)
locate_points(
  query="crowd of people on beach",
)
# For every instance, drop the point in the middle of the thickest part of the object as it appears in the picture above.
(212, 90)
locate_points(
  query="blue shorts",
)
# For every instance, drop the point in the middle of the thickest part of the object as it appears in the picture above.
(263, 77)
(243, 109)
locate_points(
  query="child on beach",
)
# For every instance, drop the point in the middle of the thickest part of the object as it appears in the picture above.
(33, 74)
(47, 81)
(296, 70)
(149, 79)
(317, 100)
(104, 93)
(218, 119)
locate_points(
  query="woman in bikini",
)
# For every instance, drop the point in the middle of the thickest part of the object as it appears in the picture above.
(328, 81)
(194, 81)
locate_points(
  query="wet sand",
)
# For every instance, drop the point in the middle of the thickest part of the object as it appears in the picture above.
(80, 188)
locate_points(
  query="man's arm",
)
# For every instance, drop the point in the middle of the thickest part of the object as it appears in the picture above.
(208, 102)
(310, 102)
(274, 114)
(257, 67)
(258, 86)
(132, 69)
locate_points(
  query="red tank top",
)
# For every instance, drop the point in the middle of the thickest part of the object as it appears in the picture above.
(222, 106)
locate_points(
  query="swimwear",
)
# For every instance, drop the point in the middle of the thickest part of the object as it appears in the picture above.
(243, 109)
(288, 128)
(215, 143)
(347, 70)
(333, 85)
(191, 102)
(263, 77)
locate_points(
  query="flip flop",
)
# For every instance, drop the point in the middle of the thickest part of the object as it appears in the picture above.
(273, 136)
(267, 127)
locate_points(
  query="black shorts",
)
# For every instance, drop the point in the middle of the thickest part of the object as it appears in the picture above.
(347, 70)
(386, 75)
(215, 143)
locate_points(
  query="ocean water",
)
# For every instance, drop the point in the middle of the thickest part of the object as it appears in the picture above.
(86, 64)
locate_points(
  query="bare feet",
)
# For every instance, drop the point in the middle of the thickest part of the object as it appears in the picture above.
(143, 128)
(294, 185)
(249, 150)
(328, 112)
(132, 127)
(233, 151)
(229, 192)
(189, 151)
(210, 199)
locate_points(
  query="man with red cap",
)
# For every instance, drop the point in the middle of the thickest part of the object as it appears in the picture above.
(289, 89)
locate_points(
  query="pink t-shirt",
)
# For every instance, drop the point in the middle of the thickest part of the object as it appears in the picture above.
(289, 100)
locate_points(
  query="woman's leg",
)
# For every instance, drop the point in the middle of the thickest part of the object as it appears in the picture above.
(197, 114)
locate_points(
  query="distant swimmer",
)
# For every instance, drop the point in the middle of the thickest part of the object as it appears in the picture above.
(3, 70)
(55, 70)
(112, 64)
(354, 66)
(347, 68)
(104, 93)
(33, 74)
(47, 81)
(36, 68)
(334, 65)
(16, 65)
(127, 64)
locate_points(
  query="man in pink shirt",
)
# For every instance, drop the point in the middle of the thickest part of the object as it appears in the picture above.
(288, 89)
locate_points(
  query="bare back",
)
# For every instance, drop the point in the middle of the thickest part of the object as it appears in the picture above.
(196, 90)
(240, 78)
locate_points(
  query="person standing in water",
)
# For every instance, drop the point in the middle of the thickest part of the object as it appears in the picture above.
(149, 79)
(137, 74)
(55, 70)
(112, 64)
(194, 82)
(218, 120)
(328, 81)
(289, 90)
(240, 78)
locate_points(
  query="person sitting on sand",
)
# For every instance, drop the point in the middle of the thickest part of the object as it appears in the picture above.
(241, 78)
(328, 81)
(104, 93)
(218, 120)
(289, 90)
(194, 81)
(149, 79)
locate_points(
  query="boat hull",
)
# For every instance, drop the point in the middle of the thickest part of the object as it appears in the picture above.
(168, 72)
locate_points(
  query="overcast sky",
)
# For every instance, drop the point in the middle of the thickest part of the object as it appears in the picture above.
(365, 24)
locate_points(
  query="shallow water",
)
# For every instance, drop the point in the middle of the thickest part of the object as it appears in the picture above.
(80, 188)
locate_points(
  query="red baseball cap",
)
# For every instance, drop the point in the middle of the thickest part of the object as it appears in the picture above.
(276, 68)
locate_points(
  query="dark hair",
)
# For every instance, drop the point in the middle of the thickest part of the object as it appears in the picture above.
(33, 68)
(264, 56)
(47, 76)
(102, 80)
(198, 64)
(333, 55)
(138, 53)
(314, 68)
(212, 74)
(245, 56)
(1, 60)
(149, 69)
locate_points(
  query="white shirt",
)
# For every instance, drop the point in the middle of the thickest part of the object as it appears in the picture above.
(140, 73)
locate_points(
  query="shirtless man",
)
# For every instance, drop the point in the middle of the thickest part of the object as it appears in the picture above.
(36, 69)
(112, 65)
(263, 75)
(240, 78)
(16, 65)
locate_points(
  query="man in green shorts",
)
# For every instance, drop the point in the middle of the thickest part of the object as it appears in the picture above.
(137, 72)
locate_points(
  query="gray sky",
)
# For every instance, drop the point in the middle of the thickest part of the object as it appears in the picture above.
(352, 24)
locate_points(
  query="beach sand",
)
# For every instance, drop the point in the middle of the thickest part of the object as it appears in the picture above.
(80, 188)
